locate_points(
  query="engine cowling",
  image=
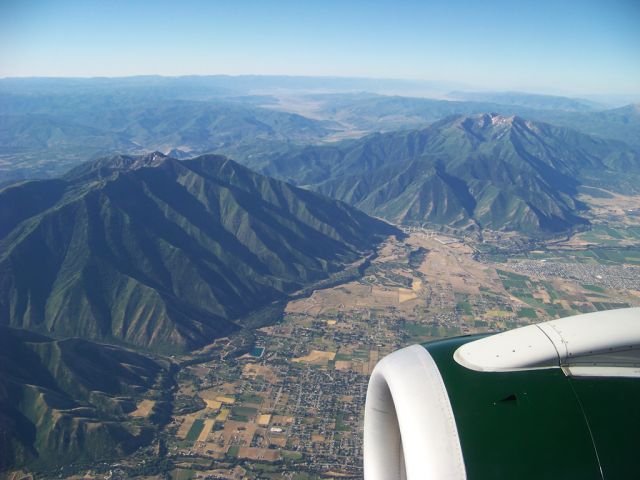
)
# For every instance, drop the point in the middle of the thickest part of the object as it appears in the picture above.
(559, 399)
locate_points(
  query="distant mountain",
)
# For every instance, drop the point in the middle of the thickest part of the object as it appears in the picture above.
(480, 171)
(529, 100)
(621, 123)
(43, 136)
(50, 125)
(70, 400)
(214, 86)
(369, 113)
(165, 254)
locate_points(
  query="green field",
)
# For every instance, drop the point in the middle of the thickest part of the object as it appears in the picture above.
(593, 288)
(609, 305)
(465, 307)
(527, 313)
(182, 474)
(244, 411)
(250, 398)
(195, 430)
(418, 329)
(342, 356)
(293, 456)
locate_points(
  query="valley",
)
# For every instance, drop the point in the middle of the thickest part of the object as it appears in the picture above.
(286, 401)
(228, 229)
(297, 406)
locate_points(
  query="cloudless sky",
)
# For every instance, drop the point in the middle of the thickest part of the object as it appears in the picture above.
(568, 46)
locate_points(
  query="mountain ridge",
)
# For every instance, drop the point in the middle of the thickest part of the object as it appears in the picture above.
(164, 254)
(511, 172)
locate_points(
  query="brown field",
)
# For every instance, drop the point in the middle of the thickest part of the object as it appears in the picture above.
(225, 399)
(282, 420)
(144, 408)
(216, 449)
(213, 404)
(343, 364)
(404, 295)
(238, 433)
(373, 360)
(451, 264)
(253, 370)
(238, 473)
(264, 419)
(210, 398)
(542, 295)
(208, 426)
(185, 426)
(349, 296)
(222, 416)
(316, 357)
(448, 267)
(264, 454)
(498, 314)
(210, 394)
(279, 440)
(617, 206)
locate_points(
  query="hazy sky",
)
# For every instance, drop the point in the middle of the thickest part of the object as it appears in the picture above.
(570, 46)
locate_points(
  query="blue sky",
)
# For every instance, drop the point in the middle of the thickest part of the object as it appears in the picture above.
(564, 46)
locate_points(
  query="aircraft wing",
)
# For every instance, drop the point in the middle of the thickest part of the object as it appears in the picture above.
(556, 400)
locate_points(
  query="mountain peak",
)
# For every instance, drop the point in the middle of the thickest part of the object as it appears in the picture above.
(132, 162)
(486, 121)
(106, 166)
(497, 119)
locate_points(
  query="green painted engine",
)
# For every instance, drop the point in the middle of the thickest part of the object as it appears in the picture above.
(557, 400)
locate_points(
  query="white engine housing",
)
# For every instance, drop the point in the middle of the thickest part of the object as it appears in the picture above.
(410, 431)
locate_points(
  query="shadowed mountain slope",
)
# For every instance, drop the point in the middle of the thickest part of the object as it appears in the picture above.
(165, 254)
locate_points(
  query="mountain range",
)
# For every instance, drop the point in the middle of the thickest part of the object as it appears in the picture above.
(65, 401)
(50, 125)
(163, 254)
(123, 260)
(479, 171)
(45, 136)
(371, 113)
(529, 100)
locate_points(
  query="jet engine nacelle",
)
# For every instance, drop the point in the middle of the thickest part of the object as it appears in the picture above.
(556, 400)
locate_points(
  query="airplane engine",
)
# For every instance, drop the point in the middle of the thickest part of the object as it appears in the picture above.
(555, 400)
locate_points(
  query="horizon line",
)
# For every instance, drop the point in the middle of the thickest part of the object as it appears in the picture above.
(433, 83)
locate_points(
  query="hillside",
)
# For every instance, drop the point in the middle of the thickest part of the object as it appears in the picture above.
(486, 171)
(165, 254)
(70, 400)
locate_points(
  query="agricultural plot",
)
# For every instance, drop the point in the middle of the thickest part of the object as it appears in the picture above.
(144, 408)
